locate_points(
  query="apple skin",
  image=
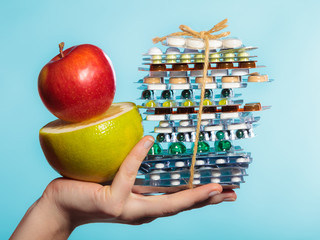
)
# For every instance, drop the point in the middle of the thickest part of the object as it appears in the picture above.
(78, 86)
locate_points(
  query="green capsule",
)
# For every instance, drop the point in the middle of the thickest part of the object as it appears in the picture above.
(155, 149)
(186, 94)
(177, 148)
(226, 92)
(166, 94)
(160, 137)
(180, 137)
(239, 133)
(223, 145)
(208, 93)
(146, 94)
(203, 147)
(220, 135)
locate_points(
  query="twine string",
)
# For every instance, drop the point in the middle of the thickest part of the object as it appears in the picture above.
(206, 36)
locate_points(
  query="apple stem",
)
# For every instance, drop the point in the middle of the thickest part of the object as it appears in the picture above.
(61, 46)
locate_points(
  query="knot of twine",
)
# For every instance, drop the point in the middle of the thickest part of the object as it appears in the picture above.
(206, 36)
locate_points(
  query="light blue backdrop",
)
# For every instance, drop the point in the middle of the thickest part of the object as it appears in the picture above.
(280, 199)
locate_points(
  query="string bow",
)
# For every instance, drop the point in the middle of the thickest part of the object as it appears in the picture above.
(206, 36)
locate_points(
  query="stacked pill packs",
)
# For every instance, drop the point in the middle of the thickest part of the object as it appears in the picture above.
(170, 98)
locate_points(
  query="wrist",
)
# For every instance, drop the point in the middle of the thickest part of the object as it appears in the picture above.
(44, 220)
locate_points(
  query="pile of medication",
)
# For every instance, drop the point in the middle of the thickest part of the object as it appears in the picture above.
(170, 97)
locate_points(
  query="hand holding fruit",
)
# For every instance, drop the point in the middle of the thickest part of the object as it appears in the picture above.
(66, 204)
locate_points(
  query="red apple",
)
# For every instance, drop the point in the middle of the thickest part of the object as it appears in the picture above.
(78, 84)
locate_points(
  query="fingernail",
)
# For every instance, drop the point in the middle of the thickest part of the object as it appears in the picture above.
(148, 143)
(214, 193)
(229, 199)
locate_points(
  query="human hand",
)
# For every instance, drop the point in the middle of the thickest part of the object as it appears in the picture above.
(66, 203)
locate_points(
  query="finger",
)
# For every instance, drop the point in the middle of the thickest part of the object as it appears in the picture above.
(225, 196)
(125, 178)
(167, 205)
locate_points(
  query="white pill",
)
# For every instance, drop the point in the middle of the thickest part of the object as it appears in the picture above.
(242, 160)
(164, 124)
(175, 182)
(159, 165)
(215, 180)
(196, 181)
(235, 179)
(176, 41)
(196, 175)
(200, 162)
(231, 43)
(154, 51)
(214, 43)
(220, 161)
(185, 123)
(215, 173)
(175, 175)
(205, 122)
(179, 164)
(155, 177)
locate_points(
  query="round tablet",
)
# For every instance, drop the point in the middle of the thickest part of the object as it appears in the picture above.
(200, 162)
(179, 164)
(159, 165)
(194, 43)
(176, 41)
(241, 160)
(185, 123)
(175, 182)
(197, 175)
(258, 78)
(175, 175)
(152, 80)
(202, 80)
(220, 161)
(236, 179)
(178, 80)
(215, 43)
(215, 180)
(164, 124)
(172, 50)
(196, 181)
(154, 51)
(215, 173)
(205, 122)
(230, 79)
(155, 177)
(231, 43)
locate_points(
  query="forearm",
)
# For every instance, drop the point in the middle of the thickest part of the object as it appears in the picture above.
(43, 220)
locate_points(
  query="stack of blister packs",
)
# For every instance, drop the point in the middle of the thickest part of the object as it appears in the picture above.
(171, 98)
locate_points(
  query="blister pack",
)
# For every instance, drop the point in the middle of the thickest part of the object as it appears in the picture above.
(170, 97)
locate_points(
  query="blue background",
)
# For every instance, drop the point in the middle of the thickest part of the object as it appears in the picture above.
(280, 198)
